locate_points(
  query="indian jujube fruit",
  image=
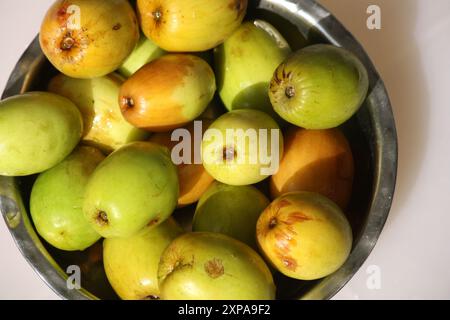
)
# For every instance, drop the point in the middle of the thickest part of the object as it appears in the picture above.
(135, 186)
(213, 266)
(190, 26)
(245, 157)
(317, 161)
(37, 131)
(89, 38)
(131, 264)
(304, 235)
(245, 63)
(57, 197)
(167, 93)
(319, 87)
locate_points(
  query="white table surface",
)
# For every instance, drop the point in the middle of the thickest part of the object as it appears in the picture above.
(412, 53)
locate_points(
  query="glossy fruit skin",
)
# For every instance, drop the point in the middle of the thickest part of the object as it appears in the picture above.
(238, 169)
(304, 235)
(104, 125)
(131, 264)
(319, 87)
(135, 186)
(37, 131)
(88, 48)
(245, 63)
(212, 266)
(190, 26)
(167, 93)
(57, 197)
(193, 178)
(145, 52)
(231, 210)
(317, 161)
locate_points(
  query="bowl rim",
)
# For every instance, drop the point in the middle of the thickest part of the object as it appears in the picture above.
(385, 163)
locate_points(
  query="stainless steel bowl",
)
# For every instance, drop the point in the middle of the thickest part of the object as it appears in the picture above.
(371, 133)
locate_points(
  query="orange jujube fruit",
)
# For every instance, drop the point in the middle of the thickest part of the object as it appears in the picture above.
(193, 178)
(316, 161)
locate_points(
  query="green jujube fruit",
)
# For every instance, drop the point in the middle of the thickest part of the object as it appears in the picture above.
(131, 264)
(231, 210)
(37, 131)
(213, 266)
(319, 87)
(135, 186)
(245, 63)
(57, 197)
(104, 125)
(144, 52)
(249, 155)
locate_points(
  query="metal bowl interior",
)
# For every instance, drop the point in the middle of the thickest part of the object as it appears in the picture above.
(371, 133)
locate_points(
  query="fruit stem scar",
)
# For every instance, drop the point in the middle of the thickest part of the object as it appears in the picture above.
(290, 92)
(157, 14)
(67, 43)
(229, 153)
(273, 223)
(102, 218)
(128, 102)
(238, 5)
(153, 222)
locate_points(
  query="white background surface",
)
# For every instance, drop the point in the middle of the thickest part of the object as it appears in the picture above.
(412, 53)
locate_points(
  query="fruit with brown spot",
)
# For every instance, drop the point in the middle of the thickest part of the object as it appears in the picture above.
(190, 26)
(167, 93)
(212, 266)
(304, 235)
(89, 38)
(317, 161)
(319, 87)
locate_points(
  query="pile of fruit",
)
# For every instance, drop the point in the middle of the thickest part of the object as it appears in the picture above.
(128, 133)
